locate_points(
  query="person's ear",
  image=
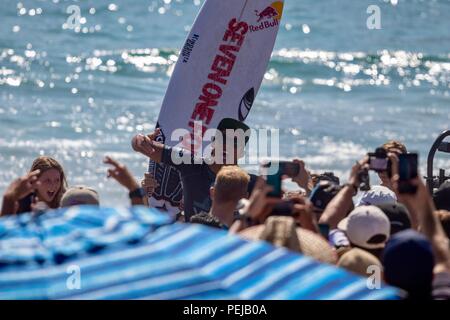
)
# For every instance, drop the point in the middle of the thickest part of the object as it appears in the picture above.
(211, 192)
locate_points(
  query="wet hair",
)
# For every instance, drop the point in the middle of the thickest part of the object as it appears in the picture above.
(206, 219)
(44, 164)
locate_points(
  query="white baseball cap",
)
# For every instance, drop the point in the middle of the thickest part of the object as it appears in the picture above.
(366, 227)
(377, 195)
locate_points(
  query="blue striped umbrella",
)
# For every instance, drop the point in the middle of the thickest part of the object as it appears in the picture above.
(140, 253)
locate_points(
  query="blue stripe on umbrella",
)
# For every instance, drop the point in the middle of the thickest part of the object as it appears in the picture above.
(170, 280)
(141, 254)
(160, 266)
(281, 279)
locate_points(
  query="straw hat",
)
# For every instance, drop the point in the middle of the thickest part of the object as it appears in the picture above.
(282, 232)
(358, 261)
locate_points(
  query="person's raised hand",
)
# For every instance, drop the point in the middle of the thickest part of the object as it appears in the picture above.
(121, 174)
(302, 205)
(23, 186)
(303, 179)
(260, 205)
(417, 203)
(303, 212)
(421, 197)
(419, 200)
(423, 218)
(145, 143)
(355, 171)
(154, 135)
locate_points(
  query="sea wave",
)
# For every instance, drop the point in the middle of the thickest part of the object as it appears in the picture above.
(291, 69)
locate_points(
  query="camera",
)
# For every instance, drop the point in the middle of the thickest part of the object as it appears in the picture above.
(379, 161)
(323, 193)
(364, 180)
(328, 176)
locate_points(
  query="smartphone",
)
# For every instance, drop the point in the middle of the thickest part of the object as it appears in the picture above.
(274, 180)
(324, 230)
(322, 194)
(291, 169)
(407, 169)
(284, 208)
(272, 173)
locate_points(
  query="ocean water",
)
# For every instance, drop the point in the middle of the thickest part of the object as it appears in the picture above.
(334, 88)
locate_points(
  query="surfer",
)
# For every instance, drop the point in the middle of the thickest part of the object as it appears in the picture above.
(197, 176)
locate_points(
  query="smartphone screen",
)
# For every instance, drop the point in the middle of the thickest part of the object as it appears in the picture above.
(407, 167)
(324, 230)
(377, 164)
(274, 180)
(272, 172)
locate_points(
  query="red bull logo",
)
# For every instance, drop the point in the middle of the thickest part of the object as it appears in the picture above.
(269, 17)
(267, 13)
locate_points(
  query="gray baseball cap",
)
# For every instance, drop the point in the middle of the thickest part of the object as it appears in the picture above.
(79, 195)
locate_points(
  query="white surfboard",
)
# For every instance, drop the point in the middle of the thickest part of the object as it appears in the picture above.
(217, 75)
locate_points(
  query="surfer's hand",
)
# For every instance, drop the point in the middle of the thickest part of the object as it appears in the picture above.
(149, 184)
(154, 135)
(143, 144)
(121, 174)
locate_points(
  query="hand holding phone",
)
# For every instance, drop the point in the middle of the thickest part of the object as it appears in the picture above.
(273, 171)
(274, 180)
(289, 168)
(272, 174)
(407, 170)
(259, 206)
(379, 160)
(283, 208)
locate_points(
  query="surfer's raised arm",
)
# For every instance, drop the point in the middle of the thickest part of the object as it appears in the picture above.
(148, 146)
